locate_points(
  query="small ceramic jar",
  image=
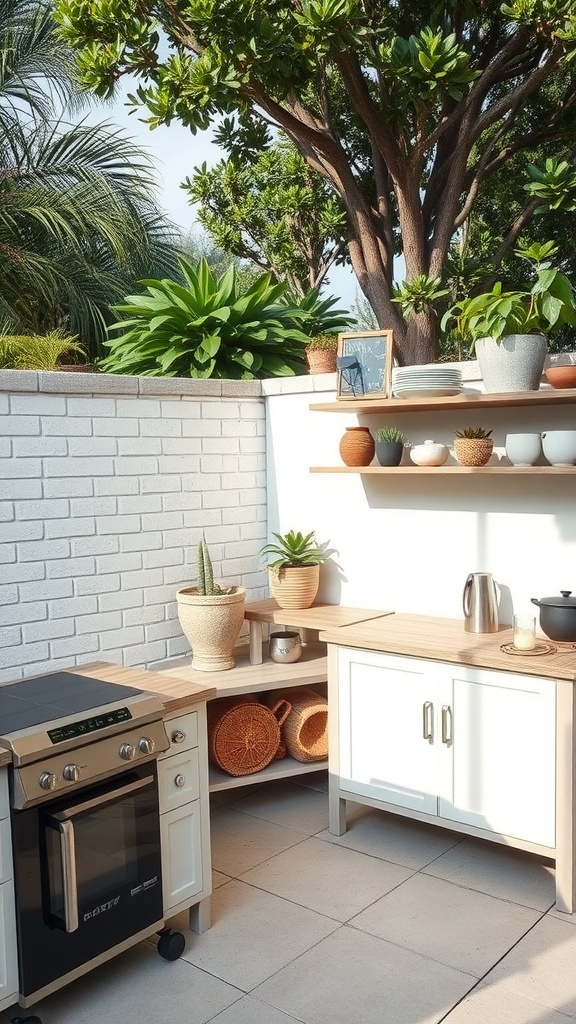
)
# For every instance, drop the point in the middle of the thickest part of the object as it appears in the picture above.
(429, 454)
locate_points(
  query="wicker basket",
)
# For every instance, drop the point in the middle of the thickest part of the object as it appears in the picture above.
(243, 735)
(305, 731)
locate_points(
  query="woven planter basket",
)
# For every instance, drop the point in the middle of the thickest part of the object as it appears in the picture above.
(472, 451)
(305, 731)
(243, 735)
(322, 360)
(294, 586)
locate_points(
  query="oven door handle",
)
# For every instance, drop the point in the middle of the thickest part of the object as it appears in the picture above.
(101, 801)
(70, 887)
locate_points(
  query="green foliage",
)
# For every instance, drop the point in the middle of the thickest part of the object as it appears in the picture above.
(474, 433)
(295, 549)
(319, 315)
(208, 328)
(420, 293)
(541, 309)
(31, 352)
(206, 585)
(323, 343)
(273, 210)
(389, 434)
(555, 185)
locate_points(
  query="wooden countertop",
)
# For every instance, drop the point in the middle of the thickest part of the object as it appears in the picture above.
(426, 636)
(5, 757)
(319, 616)
(175, 692)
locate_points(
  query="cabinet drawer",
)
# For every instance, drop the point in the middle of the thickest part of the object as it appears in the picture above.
(182, 733)
(5, 851)
(178, 780)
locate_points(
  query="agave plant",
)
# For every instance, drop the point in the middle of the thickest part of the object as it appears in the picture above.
(474, 433)
(321, 317)
(208, 328)
(296, 549)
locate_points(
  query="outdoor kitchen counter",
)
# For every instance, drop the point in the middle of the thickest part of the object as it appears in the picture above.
(432, 638)
(5, 758)
(175, 692)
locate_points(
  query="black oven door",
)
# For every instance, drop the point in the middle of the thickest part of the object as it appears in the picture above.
(88, 875)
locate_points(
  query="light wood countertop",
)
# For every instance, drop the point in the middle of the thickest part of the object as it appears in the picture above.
(5, 757)
(426, 636)
(318, 616)
(175, 691)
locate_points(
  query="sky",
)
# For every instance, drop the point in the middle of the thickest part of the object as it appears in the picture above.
(176, 151)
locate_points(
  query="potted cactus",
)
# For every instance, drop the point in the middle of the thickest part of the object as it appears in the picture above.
(321, 353)
(473, 446)
(211, 616)
(389, 446)
(294, 575)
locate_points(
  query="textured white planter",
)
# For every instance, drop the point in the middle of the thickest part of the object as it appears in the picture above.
(211, 625)
(513, 364)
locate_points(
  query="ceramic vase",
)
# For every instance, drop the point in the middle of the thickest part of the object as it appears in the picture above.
(389, 453)
(523, 449)
(357, 446)
(513, 364)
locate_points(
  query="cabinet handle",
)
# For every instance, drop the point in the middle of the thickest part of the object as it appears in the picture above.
(447, 725)
(427, 709)
(178, 736)
(180, 781)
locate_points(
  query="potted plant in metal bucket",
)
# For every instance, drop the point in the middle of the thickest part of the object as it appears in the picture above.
(294, 575)
(510, 328)
(211, 617)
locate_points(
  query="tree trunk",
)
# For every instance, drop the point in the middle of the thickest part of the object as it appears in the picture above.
(421, 342)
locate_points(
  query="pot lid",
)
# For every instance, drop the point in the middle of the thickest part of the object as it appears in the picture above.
(564, 600)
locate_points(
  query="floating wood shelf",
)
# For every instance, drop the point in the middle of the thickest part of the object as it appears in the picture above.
(545, 396)
(433, 470)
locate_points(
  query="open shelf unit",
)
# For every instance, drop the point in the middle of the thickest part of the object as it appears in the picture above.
(283, 769)
(432, 470)
(545, 396)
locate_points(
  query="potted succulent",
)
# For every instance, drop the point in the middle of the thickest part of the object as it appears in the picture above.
(510, 328)
(211, 616)
(321, 353)
(389, 446)
(473, 446)
(294, 575)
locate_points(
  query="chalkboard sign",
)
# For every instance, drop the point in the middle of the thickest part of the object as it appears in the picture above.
(364, 364)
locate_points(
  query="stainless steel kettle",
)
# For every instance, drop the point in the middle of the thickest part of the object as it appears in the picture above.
(480, 603)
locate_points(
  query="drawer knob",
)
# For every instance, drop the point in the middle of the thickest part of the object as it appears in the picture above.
(178, 736)
(180, 781)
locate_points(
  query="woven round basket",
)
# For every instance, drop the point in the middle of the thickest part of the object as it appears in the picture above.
(243, 735)
(305, 731)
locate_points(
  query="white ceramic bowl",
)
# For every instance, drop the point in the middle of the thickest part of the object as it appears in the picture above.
(559, 447)
(429, 454)
(523, 449)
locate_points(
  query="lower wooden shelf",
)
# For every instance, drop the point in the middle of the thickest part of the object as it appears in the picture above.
(432, 470)
(284, 769)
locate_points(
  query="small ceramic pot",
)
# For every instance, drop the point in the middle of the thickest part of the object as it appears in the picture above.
(285, 647)
(429, 454)
(559, 447)
(523, 449)
(389, 453)
(357, 446)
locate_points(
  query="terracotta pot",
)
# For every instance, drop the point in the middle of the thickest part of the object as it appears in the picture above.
(321, 360)
(561, 376)
(294, 586)
(473, 451)
(211, 624)
(357, 446)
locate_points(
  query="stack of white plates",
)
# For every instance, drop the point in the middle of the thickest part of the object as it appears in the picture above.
(431, 381)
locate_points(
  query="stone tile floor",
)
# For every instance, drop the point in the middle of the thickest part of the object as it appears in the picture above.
(393, 923)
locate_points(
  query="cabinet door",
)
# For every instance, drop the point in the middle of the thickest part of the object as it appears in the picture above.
(386, 728)
(8, 965)
(181, 839)
(498, 766)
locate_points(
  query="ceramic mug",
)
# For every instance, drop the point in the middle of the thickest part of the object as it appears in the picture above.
(523, 449)
(285, 647)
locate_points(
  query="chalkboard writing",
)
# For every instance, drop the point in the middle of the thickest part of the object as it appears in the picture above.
(364, 364)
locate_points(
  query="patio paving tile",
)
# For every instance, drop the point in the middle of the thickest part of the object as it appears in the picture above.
(239, 841)
(251, 1011)
(328, 879)
(353, 977)
(455, 926)
(287, 804)
(485, 1006)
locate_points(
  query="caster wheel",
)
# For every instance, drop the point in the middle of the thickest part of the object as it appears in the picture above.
(171, 945)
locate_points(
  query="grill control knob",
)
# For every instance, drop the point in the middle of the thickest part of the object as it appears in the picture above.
(145, 745)
(47, 780)
(71, 773)
(127, 752)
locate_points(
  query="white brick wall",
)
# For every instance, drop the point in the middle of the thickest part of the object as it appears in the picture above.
(102, 500)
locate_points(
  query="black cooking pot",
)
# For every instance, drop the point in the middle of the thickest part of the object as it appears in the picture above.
(558, 616)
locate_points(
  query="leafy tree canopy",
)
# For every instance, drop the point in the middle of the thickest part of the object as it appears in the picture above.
(405, 107)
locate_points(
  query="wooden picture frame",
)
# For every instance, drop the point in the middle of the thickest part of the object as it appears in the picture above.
(364, 364)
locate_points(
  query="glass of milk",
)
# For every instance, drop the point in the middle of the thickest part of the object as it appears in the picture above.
(525, 632)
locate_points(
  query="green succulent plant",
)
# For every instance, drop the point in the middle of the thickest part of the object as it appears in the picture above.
(206, 585)
(389, 434)
(208, 328)
(323, 343)
(296, 549)
(474, 433)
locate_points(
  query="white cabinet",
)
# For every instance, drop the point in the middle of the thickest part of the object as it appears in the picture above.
(463, 744)
(8, 961)
(185, 816)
